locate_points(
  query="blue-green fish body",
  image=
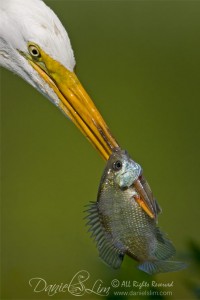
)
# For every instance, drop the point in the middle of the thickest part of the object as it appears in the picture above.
(120, 226)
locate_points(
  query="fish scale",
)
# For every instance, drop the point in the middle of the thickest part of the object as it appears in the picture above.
(121, 227)
(135, 230)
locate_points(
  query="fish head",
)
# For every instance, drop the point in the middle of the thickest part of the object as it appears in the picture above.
(122, 169)
(123, 174)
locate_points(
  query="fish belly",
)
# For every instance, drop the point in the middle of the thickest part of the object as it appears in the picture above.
(130, 229)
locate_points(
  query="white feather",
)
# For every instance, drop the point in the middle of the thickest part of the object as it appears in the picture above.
(23, 21)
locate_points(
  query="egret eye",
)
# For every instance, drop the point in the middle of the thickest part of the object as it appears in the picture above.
(117, 165)
(34, 51)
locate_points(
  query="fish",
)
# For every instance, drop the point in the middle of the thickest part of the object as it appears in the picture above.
(119, 224)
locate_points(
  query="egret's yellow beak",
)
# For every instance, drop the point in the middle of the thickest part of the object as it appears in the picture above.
(75, 102)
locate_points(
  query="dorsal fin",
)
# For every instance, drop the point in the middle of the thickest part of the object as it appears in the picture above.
(107, 251)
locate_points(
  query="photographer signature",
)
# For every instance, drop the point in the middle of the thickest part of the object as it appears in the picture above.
(76, 287)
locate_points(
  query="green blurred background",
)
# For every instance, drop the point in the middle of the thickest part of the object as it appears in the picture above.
(140, 62)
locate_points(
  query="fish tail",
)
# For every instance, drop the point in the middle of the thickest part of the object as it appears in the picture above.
(159, 266)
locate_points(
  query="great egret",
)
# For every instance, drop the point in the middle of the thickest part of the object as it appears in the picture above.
(35, 45)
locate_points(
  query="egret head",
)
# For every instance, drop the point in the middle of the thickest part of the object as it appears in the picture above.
(35, 45)
(24, 22)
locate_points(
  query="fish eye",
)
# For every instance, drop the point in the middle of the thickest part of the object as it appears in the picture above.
(34, 51)
(117, 165)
